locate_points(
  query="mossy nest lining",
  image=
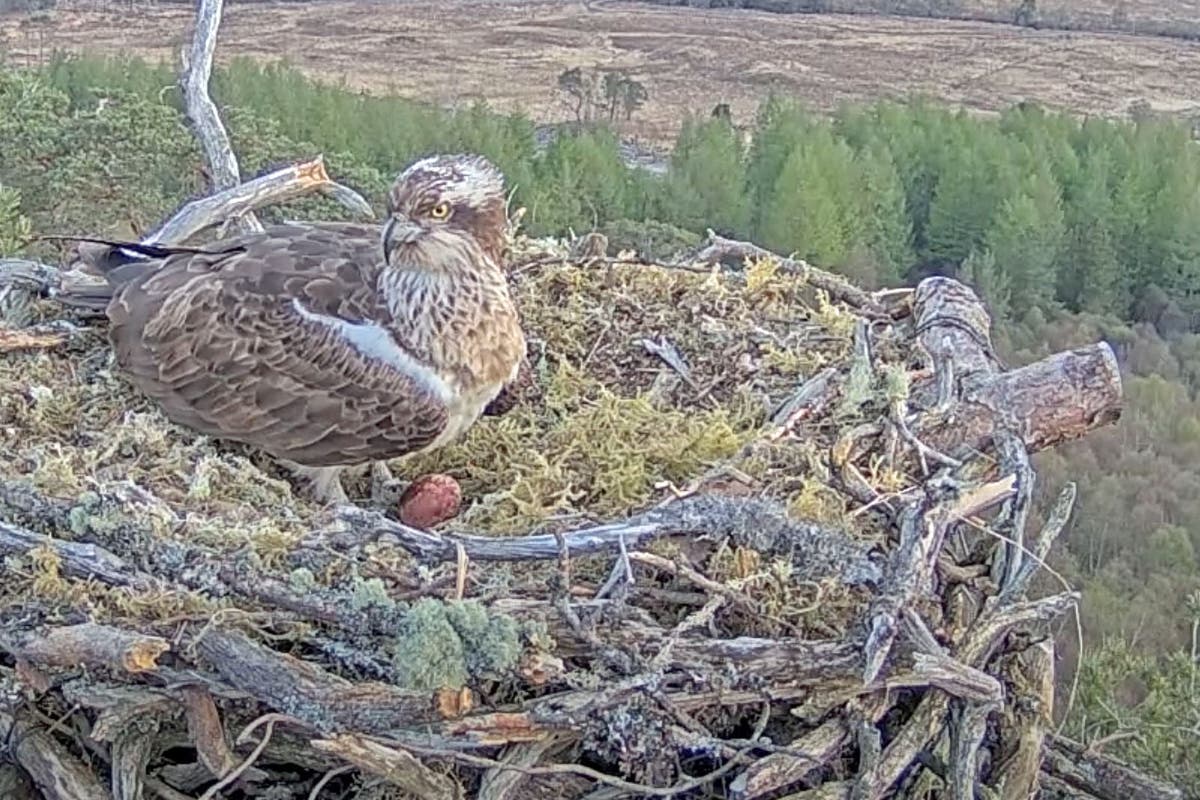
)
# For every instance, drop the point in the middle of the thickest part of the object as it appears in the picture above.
(611, 428)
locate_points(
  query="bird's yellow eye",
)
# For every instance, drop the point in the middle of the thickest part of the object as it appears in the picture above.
(440, 211)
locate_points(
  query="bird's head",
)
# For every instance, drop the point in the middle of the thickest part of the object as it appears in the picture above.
(441, 206)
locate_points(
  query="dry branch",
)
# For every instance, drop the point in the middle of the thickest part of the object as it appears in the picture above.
(1059, 398)
(1103, 778)
(56, 772)
(717, 249)
(202, 111)
(274, 188)
(91, 645)
(395, 766)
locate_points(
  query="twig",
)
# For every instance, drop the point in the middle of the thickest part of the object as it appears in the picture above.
(266, 719)
(718, 248)
(327, 777)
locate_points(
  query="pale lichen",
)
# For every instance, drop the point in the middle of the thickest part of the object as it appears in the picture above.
(448, 644)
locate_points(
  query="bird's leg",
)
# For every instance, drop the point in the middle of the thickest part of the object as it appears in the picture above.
(327, 486)
(325, 483)
(385, 488)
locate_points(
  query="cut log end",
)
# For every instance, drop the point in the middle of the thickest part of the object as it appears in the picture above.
(312, 174)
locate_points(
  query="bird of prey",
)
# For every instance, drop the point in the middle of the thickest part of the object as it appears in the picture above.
(328, 345)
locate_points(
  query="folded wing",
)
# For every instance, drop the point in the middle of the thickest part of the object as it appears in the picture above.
(279, 342)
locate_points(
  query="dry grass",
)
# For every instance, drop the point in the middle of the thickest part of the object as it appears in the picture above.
(510, 53)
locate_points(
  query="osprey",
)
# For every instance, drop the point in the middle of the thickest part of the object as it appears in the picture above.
(328, 345)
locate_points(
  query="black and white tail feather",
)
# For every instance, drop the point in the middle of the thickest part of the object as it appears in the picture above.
(118, 262)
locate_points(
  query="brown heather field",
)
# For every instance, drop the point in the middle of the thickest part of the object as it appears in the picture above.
(509, 53)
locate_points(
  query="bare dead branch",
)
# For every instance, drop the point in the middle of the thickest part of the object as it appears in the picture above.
(718, 249)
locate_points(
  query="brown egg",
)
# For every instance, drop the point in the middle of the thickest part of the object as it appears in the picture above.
(429, 500)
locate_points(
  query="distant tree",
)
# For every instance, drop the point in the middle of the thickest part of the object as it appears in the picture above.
(1025, 239)
(965, 198)
(979, 271)
(633, 96)
(580, 183)
(707, 178)
(886, 226)
(613, 84)
(813, 210)
(1091, 277)
(571, 82)
(594, 95)
(1026, 13)
(1120, 15)
(781, 126)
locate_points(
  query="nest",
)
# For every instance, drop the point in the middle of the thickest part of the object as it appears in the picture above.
(749, 532)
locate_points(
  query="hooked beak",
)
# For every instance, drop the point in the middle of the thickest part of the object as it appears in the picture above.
(397, 231)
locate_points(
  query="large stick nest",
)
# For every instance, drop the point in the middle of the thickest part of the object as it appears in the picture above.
(748, 531)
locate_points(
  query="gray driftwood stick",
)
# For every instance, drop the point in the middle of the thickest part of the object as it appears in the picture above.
(202, 111)
(1099, 776)
(281, 186)
(1057, 399)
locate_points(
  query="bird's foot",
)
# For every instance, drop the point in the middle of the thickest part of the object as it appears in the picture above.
(328, 489)
(324, 483)
(386, 489)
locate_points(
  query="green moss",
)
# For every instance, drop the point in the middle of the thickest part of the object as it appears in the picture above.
(447, 644)
(586, 448)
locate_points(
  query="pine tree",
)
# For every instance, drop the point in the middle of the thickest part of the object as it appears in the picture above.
(887, 230)
(707, 179)
(813, 210)
(974, 177)
(1090, 272)
(1025, 238)
(979, 271)
(781, 126)
(581, 182)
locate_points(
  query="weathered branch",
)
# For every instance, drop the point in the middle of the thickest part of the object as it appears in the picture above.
(202, 111)
(21, 281)
(1059, 398)
(304, 691)
(84, 561)
(1100, 777)
(56, 772)
(1022, 738)
(92, 645)
(718, 249)
(274, 188)
(805, 755)
(395, 766)
(749, 522)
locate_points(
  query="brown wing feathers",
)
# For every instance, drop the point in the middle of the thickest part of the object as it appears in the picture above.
(215, 338)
